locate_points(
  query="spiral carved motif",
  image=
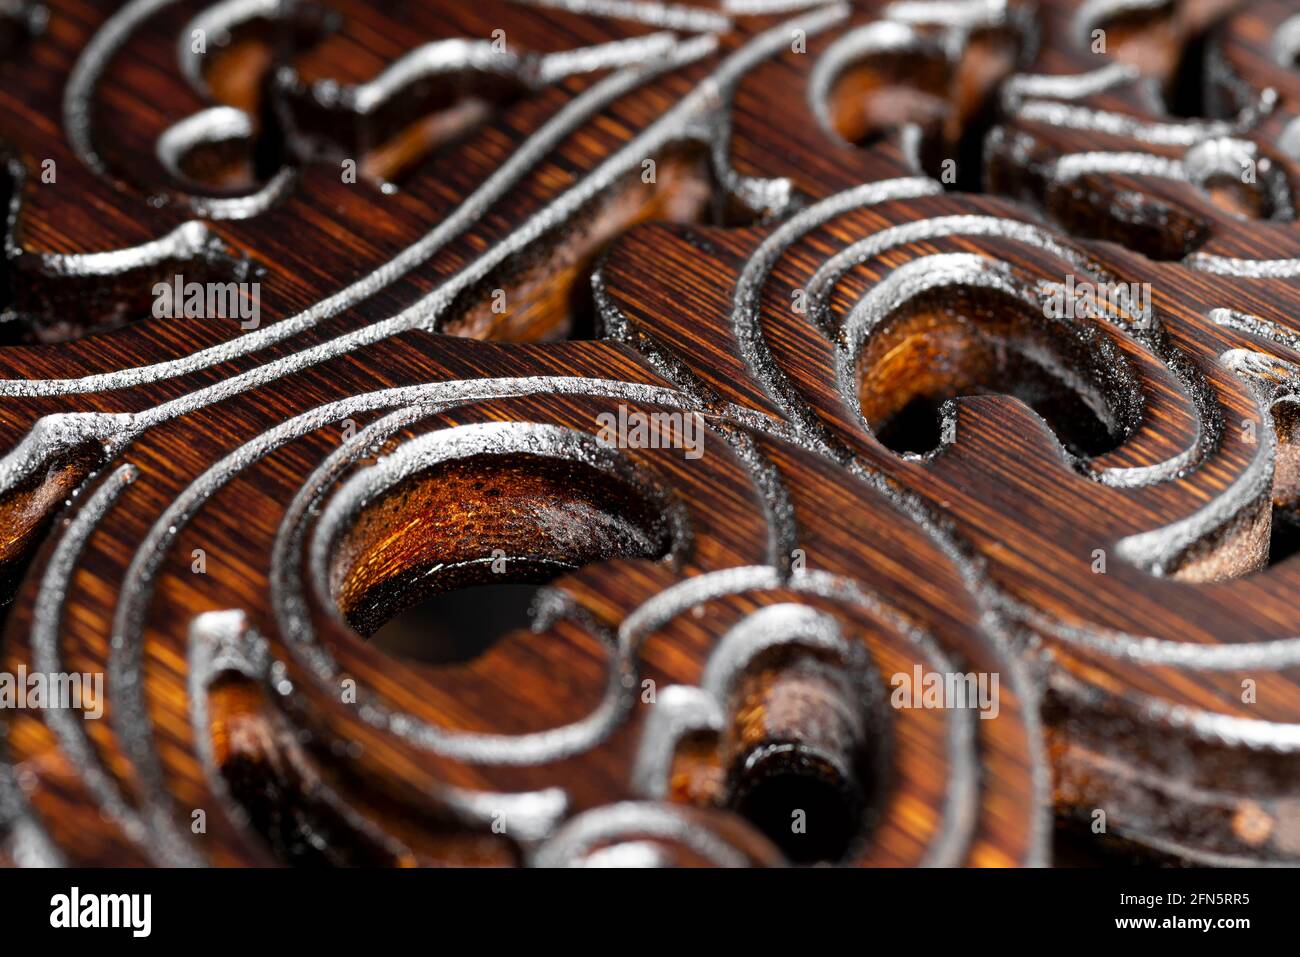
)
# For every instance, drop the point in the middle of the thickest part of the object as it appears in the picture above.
(773, 343)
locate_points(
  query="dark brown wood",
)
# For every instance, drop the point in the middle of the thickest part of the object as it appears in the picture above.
(765, 343)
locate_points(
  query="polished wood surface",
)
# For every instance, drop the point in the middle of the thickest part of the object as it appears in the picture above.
(796, 354)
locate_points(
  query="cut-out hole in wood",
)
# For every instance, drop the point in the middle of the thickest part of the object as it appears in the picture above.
(800, 765)
(488, 520)
(1167, 41)
(974, 342)
(946, 106)
(546, 294)
(268, 776)
(454, 627)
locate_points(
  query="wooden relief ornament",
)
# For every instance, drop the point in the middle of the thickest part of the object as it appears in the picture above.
(893, 401)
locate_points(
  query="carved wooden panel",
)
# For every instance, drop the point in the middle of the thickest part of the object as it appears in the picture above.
(887, 410)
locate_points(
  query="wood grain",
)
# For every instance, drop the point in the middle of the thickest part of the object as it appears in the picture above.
(839, 261)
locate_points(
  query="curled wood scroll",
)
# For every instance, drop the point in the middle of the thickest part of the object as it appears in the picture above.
(789, 355)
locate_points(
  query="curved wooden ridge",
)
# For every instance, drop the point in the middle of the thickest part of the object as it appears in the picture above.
(893, 402)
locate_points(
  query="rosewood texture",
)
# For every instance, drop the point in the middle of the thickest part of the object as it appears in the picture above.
(963, 334)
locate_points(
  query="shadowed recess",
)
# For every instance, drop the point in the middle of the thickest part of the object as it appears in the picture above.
(801, 763)
(544, 294)
(240, 69)
(488, 528)
(454, 627)
(274, 784)
(951, 105)
(963, 341)
(1167, 41)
